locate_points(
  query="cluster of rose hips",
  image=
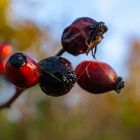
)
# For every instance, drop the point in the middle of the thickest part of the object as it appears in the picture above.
(56, 75)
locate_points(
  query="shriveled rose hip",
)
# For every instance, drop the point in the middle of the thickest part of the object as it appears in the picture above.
(98, 77)
(57, 76)
(82, 35)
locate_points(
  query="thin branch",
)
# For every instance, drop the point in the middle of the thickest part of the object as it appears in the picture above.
(8, 103)
(60, 52)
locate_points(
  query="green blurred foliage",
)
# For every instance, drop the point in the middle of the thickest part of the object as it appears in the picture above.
(94, 117)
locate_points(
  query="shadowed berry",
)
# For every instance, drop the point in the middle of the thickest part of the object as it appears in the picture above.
(2, 66)
(82, 35)
(22, 70)
(57, 76)
(98, 77)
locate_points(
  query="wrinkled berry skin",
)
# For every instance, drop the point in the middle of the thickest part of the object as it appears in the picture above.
(57, 76)
(82, 35)
(98, 77)
(22, 70)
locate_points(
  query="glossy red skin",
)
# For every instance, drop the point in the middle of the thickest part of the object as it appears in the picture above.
(25, 76)
(76, 37)
(96, 77)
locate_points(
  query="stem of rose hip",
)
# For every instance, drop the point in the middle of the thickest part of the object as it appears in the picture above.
(60, 52)
(8, 103)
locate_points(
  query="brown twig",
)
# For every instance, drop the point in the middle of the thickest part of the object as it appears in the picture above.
(8, 103)
(60, 52)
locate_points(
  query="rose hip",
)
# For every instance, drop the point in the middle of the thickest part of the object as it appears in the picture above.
(2, 66)
(57, 76)
(5, 50)
(22, 70)
(82, 35)
(98, 77)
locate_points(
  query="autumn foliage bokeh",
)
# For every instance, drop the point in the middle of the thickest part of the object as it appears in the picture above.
(76, 116)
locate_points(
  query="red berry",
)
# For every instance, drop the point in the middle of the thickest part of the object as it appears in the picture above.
(57, 76)
(22, 70)
(98, 77)
(82, 35)
(2, 66)
(5, 50)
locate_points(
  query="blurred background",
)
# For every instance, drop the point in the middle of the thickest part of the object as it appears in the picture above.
(35, 27)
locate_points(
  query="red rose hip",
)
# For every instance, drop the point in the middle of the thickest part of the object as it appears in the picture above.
(2, 66)
(82, 35)
(5, 50)
(22, 70)
(98, 77)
